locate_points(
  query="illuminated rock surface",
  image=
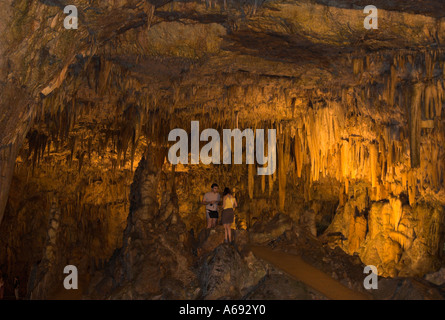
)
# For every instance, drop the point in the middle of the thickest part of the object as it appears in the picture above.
(84, 122)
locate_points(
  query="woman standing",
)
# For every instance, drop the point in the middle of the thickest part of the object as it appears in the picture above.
(229, 203)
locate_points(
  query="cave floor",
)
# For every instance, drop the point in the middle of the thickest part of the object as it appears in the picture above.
(300, 270)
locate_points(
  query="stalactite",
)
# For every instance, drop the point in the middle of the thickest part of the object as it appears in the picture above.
(345, 159)
(298, 154)
(393, 84)
(440, 99)
(73, 145)
(432, 165)
(250, 179)
(81, 159)
(382, 159)
(373, 154)
(270, 183)
(357, 65)
(428, 102)
(133, 151)
(283, 163)
(429, 63)
(412, 186)
(263, 183)
(307, 184)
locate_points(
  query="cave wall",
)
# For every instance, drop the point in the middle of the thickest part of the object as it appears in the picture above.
(357, 114)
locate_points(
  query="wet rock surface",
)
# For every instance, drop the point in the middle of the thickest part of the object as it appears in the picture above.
(359, 116)
(278, 286)
(155, 261)
(265, 232)
(226, 274)
(397, 239)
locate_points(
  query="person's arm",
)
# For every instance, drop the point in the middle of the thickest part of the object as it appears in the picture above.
(204, 200)
(235, 204)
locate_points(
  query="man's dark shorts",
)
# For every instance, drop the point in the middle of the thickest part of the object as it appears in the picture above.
(213, 214)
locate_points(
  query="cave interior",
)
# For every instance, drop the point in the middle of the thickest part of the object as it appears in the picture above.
(85, 118)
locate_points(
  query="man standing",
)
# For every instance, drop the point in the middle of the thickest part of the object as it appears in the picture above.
(211, 200)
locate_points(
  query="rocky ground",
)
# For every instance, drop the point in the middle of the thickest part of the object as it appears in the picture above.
(360, 127)
(164, 261)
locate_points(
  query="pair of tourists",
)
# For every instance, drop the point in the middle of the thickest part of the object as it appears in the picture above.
(212, 200)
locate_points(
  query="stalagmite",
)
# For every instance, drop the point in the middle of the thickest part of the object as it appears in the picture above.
(343, 130)
(250, 180)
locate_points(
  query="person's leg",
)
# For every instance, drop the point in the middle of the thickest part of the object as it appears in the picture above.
(225, 233)
(228, 232)
(209, 220)
(214, 222)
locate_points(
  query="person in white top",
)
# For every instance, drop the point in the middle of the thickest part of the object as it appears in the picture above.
(211, 200)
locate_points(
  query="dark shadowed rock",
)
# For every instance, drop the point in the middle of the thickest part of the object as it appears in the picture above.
(262, 232)
(209, 239)
(407, 289)
(278, 286)
(226, 274)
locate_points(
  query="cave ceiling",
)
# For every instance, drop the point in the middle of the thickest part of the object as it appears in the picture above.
(82, 106)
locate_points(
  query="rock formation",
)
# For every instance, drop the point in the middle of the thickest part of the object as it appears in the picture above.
(85, 116)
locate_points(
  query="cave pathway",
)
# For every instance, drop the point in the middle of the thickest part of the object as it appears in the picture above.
(300, 270)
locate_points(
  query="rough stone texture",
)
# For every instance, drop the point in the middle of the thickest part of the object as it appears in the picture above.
(265, 232)
(155, 261)
(407, 289)
(437, 278)
(227, 275)
(398, 239)
(278, 286)
(357, 112)
(208, 240)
